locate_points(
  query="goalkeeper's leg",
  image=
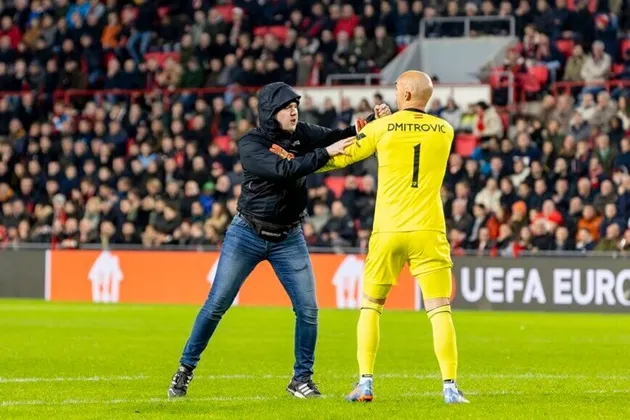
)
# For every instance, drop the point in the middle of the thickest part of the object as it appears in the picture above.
(436, 289)
(386, 257)
(368, 338)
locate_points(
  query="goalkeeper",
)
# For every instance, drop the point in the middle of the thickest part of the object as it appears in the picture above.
(412, 149)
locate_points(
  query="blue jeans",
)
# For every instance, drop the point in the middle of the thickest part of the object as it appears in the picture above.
(144, 38)
(242, 250)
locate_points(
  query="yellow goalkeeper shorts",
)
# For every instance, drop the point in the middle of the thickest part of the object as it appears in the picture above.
(427, 252)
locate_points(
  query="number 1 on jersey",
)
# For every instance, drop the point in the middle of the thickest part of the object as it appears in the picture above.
(416, 166)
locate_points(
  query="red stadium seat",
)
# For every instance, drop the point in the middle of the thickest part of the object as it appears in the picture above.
(225, 11)
(336, 184)
(278, 31)
(223, 142)
(565, 46)
(625, 44)
(541, 73)
(465, 144)
(529, 82)
(617, 68)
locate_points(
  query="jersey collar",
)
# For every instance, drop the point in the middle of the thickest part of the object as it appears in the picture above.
(415, 110)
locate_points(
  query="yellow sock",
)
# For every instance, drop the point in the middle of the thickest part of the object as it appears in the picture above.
(444, 342)
(368, 336)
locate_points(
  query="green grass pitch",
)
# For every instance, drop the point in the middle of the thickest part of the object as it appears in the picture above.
(99, 361)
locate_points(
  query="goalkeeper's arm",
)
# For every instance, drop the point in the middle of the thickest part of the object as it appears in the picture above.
(363, 148)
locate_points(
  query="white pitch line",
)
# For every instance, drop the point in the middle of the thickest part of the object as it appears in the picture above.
(74, 379)
(131, 401)
(254, 398)
(523, 376)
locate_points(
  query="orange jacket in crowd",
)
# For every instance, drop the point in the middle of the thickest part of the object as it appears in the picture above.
(591, 225)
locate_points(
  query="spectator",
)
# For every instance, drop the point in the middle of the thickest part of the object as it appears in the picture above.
(611, 216)
(480, 220)
(590, 222)
(606, 196)
(340, 227)
(488, 123)
(142, 33)
(605, 110)
(542, 238)
(611, 241)
(596, 67)
(604, 153)
(623, 159)
(381, 49)
(321, 216)
(484, 245)
(461, 220)
(562, 240)
(563, 112)
(490, 196)
(452, 113)
(579, 128)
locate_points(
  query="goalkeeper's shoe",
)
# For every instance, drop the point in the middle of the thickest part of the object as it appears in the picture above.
(180, 382)
(452, 395)
(303, 389)
(363, 392)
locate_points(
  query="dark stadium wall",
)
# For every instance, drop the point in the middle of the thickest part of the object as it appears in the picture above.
(184, 277)
(23, 274)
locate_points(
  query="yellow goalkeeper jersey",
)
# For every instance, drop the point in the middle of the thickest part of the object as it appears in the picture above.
(412, 149)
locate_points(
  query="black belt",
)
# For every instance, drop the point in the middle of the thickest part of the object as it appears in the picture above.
(269, 231)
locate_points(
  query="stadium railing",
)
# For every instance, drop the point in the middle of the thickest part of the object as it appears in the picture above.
(559, 88)
(466, 21)
(367, 78)
(462, 93)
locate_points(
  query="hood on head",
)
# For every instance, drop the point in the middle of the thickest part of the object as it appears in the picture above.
(271, 99)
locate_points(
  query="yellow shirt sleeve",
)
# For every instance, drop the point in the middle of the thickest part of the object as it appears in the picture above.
(363, 148)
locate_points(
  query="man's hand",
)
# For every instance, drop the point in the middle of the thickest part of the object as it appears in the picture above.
(339, 147)
(360, 124)
(382, 110)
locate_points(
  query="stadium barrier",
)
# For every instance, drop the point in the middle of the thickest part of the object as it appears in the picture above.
(536, 283)
(466, 22)
(23, 273)
(612, 86)
(463, 94)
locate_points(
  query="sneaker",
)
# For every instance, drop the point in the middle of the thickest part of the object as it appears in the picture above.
(454, 396)
(180, 382)
(300, 389)
(361, 393)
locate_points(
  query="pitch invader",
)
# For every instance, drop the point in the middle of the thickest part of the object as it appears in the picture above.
(409, 227)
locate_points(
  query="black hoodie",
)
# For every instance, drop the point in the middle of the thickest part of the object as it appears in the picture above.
(276, 162)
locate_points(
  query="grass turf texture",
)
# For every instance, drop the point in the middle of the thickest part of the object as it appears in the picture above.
(97, 361)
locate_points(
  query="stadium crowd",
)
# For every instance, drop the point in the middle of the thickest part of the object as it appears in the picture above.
(156, 175)
(160, 167)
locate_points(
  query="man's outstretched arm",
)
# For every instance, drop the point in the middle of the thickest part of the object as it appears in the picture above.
(363, 148)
